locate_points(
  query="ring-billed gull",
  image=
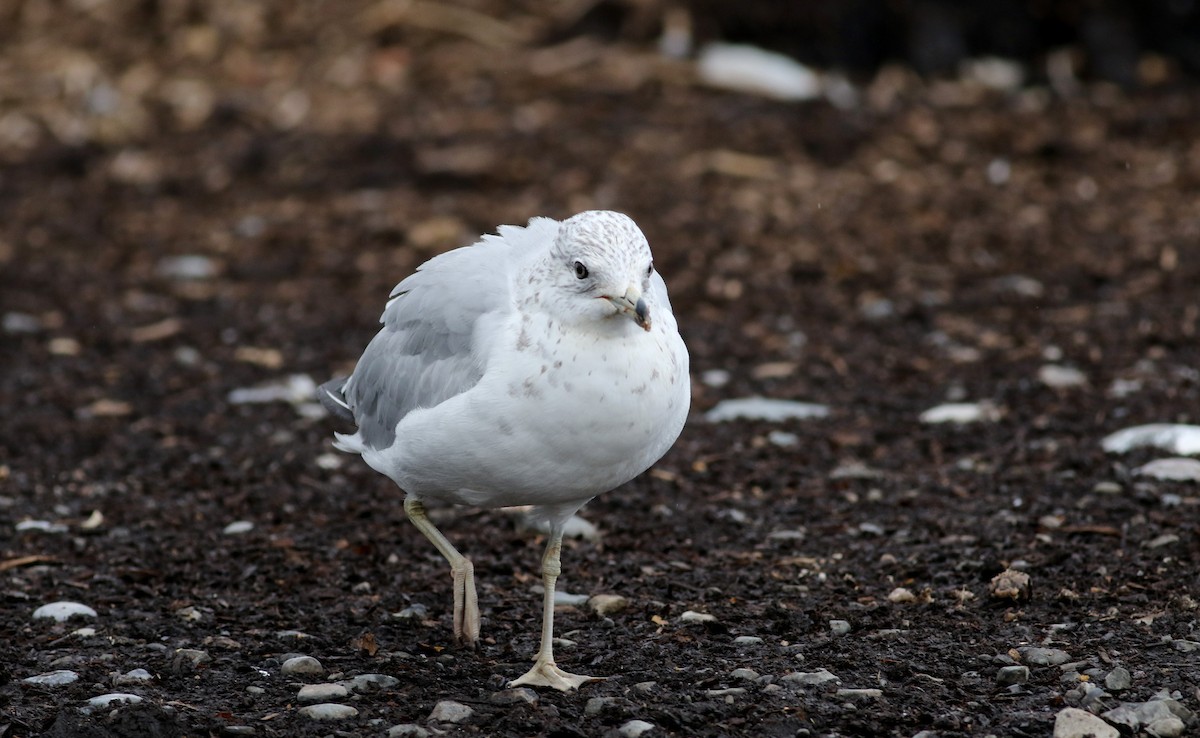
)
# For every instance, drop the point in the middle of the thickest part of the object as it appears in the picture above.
(540, 366)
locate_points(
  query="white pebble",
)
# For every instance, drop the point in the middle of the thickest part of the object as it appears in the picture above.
(1174, 469)
(753, 70)
(715, 377)
(1072, 722)
(569, 598)
(901, 596)
(1061, 377)
(839, 627)
(697, 617)
(747, 641)
(321, 692)
(577, 527)
(634, 728)
(53, 678)
(83, 632)
(328, 711)
(449, 711)
(62, 611)
(41, 526)
(783, 439)
(1173, 438)
(238, 527)
(764, 408)
(329, 461)
(21, 323)
(749, 675)
(407, 730)
(961, 413)
(192, 266)
(302, 665)
(108, 700)
(858, 694)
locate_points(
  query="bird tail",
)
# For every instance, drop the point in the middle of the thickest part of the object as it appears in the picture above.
(351, 443)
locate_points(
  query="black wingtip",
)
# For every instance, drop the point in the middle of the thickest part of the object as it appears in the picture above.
(330, 395)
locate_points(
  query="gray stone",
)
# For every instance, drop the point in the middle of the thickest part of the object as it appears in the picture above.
(1071, 722)
(328, 711)
(1044, 656)
(634, 728)
(1118, 679)
(1168, 727)
(1012, 675)
(407, 730)
(194, 655)
(449, 711)
(133, 676)
(749, 675)
(322, 692)
(369, 682)
(808, 678)
(415, 611)
(302, 666)
(730, 692)
(514, 696)
(839, 627)
(596, 705)
(747, 641)
(238, 730)
(52, 678)
(697, 617)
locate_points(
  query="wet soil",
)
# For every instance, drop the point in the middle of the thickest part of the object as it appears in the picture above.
(936, 241)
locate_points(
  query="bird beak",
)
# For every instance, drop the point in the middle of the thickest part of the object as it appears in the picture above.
(633, 305)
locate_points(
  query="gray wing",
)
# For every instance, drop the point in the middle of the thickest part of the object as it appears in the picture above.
(430, 348)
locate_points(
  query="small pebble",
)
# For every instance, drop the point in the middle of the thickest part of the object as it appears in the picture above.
(900, 595)
(321, 692)
(960, 413)
(762, 408)
(577, 527)
(52, 678)
(514, 696)
(41, 526)
(449, 711)
(608, 604)
(407, 730)
(1173, 469)
(730, 692)
(1044, 656)
(415, 611)
(134, 676)
(1071, 722)
(238, 730)
(194, 655)
(63, 611)
(645, 687)
(839, 627)
(1012, 675)
(186, 267)
(1061, 377)
(697, 617)
(860, 694)
(1180, 439)
(569, 598)
(369, 682)
(302, 665)
(596, 705)
(238, 527)
(820, 676)
(783, 439)
(107, 700)
(634, 728)
(328, 711)
(747, 641)
(1118, 679)
(749, 675)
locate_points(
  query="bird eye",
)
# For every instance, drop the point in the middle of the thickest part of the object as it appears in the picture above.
(581, 271)
(650, 269)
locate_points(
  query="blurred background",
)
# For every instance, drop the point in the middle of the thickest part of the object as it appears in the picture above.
(878, 206)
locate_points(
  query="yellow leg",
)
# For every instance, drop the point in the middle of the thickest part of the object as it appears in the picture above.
(545, 673)
(466, 602)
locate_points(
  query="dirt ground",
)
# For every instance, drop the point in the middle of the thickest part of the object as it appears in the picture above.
(927, 241)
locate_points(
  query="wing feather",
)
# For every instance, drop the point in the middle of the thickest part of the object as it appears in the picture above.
(434, 343)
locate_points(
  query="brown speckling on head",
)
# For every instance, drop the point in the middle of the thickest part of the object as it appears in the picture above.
(602, 231)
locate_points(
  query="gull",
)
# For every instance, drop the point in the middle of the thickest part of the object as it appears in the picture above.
(540, 366)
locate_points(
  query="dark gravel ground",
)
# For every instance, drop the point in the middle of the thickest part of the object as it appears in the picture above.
(937, 241)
